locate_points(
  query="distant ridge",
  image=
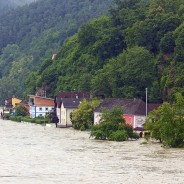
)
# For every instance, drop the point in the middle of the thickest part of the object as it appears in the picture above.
(7, 5)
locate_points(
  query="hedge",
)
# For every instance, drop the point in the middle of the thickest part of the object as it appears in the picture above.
(28, 119)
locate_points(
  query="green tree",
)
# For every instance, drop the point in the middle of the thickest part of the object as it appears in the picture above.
(167, 43)
(21, 111)
(167, 124)
(114, 116)
(112, 126)
(82, 118)
(179, 40)
(126, 75)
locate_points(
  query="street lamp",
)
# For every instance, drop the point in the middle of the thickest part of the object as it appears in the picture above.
(146, 102)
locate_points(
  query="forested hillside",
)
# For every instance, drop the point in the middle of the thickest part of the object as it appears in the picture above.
(7, 5)
(139, 45)
(30, 33)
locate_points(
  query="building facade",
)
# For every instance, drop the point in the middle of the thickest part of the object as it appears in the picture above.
(39, 106)
(68, 105)
(10, 103)
(134, 110)
(67, 102)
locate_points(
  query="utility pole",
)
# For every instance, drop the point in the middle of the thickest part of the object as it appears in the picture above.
(146, 102)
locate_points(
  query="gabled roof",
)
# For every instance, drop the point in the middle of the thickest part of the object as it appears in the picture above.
(71, 102)
(23, 102)
(130, 106)
(152, 106)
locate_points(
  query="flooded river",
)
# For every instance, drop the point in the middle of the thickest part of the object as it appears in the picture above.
(33, 154)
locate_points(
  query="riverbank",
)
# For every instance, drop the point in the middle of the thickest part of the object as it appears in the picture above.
(36, 154)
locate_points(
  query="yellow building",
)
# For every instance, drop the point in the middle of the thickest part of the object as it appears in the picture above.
(10, 102)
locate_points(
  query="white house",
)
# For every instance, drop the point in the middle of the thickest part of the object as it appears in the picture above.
(39, 106)
(67, 102)
(64, 110)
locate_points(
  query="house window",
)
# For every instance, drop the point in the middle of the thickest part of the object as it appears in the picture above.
(40, 109)
(40, 115)
(46, 108)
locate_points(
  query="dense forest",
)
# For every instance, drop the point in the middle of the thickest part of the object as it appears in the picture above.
(7, 5)
(33, 32)
(139, 45)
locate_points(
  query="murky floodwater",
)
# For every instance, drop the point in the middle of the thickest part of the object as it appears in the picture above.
(32, 154)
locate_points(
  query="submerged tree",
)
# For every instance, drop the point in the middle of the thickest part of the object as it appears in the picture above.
(167, 123)
(82, 117)
(112, 126)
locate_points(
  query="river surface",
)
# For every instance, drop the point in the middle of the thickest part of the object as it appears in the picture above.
(33, 154)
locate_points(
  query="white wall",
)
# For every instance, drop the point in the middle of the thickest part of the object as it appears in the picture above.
(65, 115)
(139, 121)
(97, 116)
(39, 111)
(68, 112)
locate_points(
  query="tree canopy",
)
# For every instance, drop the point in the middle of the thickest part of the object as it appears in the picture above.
(112, 126)
(36, 31)
(167, 124)
(138, 45)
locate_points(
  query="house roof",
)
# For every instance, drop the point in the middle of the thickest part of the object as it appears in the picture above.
(72, 95)
(23, 102)
(152, 106)
(71, 102)
(131, 106)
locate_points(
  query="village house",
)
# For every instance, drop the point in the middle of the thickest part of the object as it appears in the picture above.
(67, 102)
(39, 106)
(10, 103)
(134, 111)
(68, 105)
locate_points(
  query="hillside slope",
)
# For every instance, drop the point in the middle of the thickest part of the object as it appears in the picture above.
(140, 45)
(30, 33)
(7, 5)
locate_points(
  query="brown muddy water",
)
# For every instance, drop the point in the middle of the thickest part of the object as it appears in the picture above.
(33, 154)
